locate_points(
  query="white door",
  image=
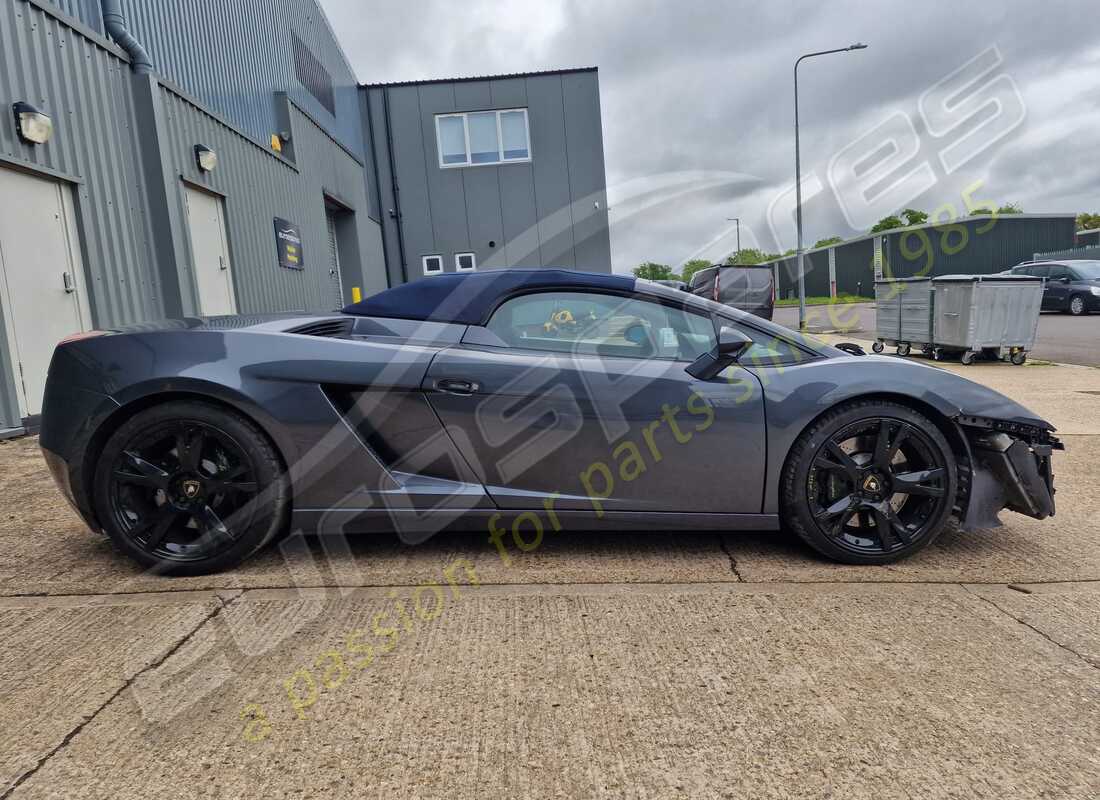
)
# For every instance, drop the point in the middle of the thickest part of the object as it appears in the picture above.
(334, 261)
(210, 253)
(41, 278)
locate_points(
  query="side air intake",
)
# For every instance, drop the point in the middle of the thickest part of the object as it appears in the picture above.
(330, 328)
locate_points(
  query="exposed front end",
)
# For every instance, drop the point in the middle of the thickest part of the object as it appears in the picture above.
(1011, 468)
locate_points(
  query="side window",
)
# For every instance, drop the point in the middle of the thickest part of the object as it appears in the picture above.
(602, 324)
(1039, 271)
(1057, 272)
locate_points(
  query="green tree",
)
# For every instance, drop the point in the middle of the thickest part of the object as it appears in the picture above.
(1087, 221)
(827, 242)
(914, 217)
(1010, 208)
(655, 272)
(888, 224)
(749, 255)
(693, 266)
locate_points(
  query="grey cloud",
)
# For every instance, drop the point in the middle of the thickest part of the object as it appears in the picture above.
(707, 86)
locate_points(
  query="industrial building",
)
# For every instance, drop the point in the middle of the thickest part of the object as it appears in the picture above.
(167, 160)
(976, 245)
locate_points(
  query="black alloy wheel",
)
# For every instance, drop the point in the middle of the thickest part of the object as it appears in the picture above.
(190, 489)
(870, 483)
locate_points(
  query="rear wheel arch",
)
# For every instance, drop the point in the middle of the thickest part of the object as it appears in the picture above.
(124, 413)
(137, 485)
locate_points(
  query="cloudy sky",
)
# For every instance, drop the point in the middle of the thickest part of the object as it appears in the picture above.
(998, 98)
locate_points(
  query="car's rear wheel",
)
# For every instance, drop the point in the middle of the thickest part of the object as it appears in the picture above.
(190, 488)
(869, 482)
(1077, 305)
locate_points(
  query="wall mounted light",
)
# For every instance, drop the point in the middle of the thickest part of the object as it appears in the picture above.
(206, 158)
(34, 126)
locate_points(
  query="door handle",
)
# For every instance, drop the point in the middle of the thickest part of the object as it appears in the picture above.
(456, 386)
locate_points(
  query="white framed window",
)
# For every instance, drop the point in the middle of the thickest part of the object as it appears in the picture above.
(465, 262)
(433, 265)
(483, 138)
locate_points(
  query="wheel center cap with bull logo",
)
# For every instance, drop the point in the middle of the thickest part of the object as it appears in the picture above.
(191, 488)
(872, 484)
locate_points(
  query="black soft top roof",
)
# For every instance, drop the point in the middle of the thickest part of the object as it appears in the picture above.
(469, 298)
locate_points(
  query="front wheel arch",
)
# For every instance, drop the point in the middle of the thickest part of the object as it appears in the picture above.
(947, 426)
(805, 522)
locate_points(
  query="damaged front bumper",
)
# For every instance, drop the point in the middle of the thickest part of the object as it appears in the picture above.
(1010, 468)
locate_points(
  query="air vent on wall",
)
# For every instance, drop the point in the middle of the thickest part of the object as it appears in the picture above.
(331, 328)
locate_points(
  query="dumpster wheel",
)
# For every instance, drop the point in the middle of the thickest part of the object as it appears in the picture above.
(1019, 357)
(968, 357)
(878, 347)
(904, 349)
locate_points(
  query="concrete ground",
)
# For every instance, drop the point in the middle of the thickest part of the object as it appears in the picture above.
(1061, 338)
(627, 665)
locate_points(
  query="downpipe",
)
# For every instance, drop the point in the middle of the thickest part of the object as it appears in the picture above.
(115, 23)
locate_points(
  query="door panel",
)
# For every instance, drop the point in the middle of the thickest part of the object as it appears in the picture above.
(41, 278)
(210, 253)
(602, 433)
(1057, 290)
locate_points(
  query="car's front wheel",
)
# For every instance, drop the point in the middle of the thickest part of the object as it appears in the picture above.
(190, 488)
(1077, 305)
(869, 482)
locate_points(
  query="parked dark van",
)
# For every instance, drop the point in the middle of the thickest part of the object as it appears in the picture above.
(750, 289)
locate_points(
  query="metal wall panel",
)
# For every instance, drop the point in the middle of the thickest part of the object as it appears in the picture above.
(234, 55)
(549, 212)
(86, 90)
(978, 246)
(550, 162)
(259, 186)
(90, 12)
(587, 182)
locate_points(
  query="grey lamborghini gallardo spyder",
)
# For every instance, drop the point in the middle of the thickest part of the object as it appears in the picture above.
(599, 402)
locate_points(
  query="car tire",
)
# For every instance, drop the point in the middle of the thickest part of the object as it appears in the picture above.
(1077, 306)
(190, 488)
(836, 505)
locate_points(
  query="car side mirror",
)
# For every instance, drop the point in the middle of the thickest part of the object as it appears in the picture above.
(731, 344)
(1065, 279)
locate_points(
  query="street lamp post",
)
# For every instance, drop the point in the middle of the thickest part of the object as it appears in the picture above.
(738, 221)
(798, 181)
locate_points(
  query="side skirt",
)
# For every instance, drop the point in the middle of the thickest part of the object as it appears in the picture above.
(423, 523)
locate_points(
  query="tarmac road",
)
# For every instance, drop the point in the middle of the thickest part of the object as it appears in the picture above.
(1062, 338)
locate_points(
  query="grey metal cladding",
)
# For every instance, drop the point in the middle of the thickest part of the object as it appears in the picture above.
(411, 156)
(550, 160)
(446, 195)
(204, 56)
(260, 186)
(86, 90)
(90, 12)
(551, 211)
(587, 181)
